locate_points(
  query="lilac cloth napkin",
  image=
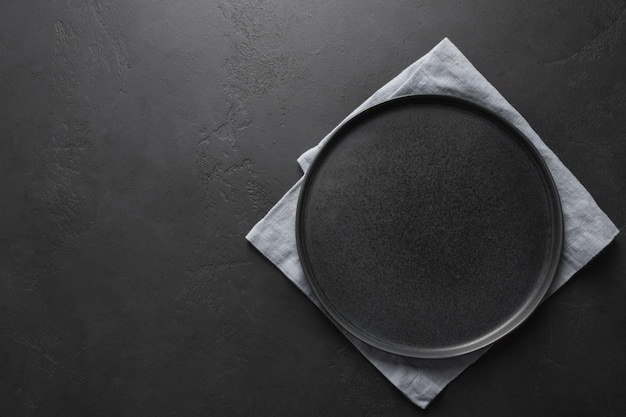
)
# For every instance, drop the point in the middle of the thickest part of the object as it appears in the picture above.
(444, 70)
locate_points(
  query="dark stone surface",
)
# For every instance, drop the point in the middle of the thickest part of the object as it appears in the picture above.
(140, 141)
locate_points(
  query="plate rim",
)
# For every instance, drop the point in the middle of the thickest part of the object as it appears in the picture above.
(525, 310)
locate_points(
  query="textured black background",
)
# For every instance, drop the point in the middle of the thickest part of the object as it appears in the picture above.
(140, 140)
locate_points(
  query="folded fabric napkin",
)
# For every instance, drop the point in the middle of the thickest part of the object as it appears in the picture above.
(444, 70)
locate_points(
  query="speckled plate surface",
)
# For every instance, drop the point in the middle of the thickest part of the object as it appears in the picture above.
(429, 227)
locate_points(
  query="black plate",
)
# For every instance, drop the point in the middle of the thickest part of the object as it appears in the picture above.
(429, 227)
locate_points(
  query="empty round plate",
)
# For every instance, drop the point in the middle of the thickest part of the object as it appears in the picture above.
(428, 226)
